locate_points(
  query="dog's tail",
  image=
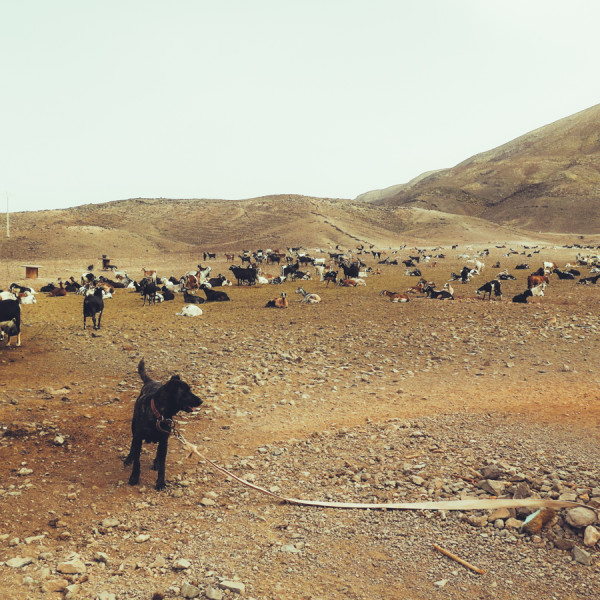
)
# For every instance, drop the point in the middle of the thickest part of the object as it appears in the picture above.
(142, 371)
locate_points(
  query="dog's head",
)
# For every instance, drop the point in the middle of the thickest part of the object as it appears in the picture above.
(180, 396)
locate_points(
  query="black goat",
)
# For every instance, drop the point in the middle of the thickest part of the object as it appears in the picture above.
(192, 299)
(522, 298)
(93, 305)
(489, 287)
(148, 290)
(214, 295)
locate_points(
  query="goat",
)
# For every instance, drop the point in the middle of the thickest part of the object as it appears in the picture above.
(487, 288)
(93, 305)
(394, 296)
(214, 295)
(148, 290)
(589, 280)
(522, 298)
(307, 297)
(281, 302)
(533, 280)
(563, 274)
(58, 292)
(192, 299)
(437, 294)
(330, 276)
(151, 273)
(10, 320)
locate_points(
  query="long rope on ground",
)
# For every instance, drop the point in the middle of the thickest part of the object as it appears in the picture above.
(474, 504)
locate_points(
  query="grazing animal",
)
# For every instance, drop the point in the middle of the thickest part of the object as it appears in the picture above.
(58, 292)
(151, 273)
(152, 420)
(10, 320)
(563, 274)
(192, 298)
(522, 298)
(432, 293)
(15, 288)
(148, 290)
(533, 280)
(93, 305)
(505, 276)
(307, 297)
(538, 290)
(589, 280)
(488, 288)
(190, 310)
(330, 276)
(229, 257)
(281, 302)
(351, 282)
(47, 288)
(394, 296)
(214, 295)
(247, 274)
(522, 266)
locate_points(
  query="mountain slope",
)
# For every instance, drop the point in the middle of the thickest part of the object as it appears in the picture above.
(547, 180)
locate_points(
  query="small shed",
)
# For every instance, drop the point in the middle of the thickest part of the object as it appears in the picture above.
(31, 271)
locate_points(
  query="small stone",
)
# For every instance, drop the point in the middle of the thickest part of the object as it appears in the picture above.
(181, 563)
(110, 522)
(237, 587)
(441, 583)
(493, 487)
(207, 502)
(582, 556)
(19, 562)
(189, 591)
(289, 548)
(499, 513)
(513, 523)
(580, 517)
(564, 543)
(101, 557)
(591, 536)
(71, 567)
(143, 537)
(417, 480)
(55, 585)
(213, 593)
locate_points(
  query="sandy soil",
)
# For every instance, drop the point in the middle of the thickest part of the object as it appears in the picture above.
(280, 378)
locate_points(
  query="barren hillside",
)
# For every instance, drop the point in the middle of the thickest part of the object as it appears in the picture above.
(547, 180)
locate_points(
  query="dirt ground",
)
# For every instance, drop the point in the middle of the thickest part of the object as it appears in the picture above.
(282, 380)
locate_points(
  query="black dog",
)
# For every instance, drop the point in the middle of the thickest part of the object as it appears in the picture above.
(153, 412)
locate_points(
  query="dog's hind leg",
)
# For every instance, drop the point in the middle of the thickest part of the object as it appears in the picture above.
(134, 457)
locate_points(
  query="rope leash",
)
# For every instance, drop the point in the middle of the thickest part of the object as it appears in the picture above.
(475, 504)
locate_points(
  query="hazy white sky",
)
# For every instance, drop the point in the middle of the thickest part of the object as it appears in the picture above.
(233, 99)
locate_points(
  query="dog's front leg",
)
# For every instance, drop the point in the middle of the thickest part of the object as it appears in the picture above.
(159, 463)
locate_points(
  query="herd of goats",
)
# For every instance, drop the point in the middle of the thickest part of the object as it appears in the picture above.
(293, 265)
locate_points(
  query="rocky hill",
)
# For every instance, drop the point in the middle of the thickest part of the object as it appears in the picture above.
(547, 180)
(144, 227)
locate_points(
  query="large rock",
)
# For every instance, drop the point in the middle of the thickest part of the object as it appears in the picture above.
(591, 536)
(581, 517)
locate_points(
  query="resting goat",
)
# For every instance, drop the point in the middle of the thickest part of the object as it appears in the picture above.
(214, 295)
(281, 302)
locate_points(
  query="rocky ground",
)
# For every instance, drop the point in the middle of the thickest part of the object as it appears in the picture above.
(355, 400)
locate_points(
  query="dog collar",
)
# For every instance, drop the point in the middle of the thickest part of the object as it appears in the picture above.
(160, 419)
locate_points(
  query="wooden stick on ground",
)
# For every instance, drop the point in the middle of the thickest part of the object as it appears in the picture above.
(459, 560)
